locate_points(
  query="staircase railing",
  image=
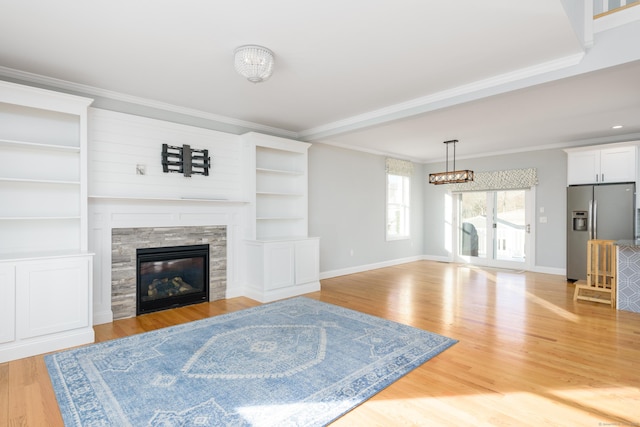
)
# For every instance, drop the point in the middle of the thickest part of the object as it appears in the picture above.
(606, 7)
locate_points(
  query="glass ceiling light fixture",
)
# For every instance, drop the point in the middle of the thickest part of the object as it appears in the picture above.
(454, 176)
(254, 62)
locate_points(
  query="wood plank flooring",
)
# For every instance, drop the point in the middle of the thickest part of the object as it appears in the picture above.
(528, 355)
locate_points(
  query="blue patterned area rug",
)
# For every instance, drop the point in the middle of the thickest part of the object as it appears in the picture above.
(297, 362)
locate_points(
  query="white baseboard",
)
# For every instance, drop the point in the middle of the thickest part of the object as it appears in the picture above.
(367, 267)
(437, 258)
(45, 344)
(549, 270)
(234, 293)
(265, 296)
(101, 317)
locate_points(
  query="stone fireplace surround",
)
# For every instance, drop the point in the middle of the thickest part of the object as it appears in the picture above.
(125, 241)
(109, 214)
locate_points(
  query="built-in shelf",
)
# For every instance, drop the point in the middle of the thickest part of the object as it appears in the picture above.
(282, 260)
(279, 171)
(280, 218)
(39, 145)
(273, 193)
(43, 222)
(43, 174)
(280, 186)
(34, 256)
(39, 181)
(169, 199)
(284, 239)
(36, 218)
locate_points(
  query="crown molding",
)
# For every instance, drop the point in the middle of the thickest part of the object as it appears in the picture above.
(51, 82)
(438, 100)
(630, 137)
(370, 151)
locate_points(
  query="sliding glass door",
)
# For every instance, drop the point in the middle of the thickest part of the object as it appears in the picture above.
(493, 228)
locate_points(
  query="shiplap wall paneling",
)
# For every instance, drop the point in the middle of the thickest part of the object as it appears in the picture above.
(119, 142)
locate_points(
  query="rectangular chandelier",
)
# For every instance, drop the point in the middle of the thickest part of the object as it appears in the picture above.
(454, 176)
(450, 177)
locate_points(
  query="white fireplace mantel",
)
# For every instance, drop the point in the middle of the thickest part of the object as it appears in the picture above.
(107, 213)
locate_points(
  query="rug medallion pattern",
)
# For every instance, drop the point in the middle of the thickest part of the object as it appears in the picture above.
(295, 362)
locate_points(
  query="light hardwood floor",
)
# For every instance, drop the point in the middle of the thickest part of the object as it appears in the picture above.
(528, 355)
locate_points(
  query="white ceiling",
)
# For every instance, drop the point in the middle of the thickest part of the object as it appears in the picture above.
(396, 77)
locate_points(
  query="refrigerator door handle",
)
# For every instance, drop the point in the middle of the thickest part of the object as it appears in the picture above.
(595, 219)
(590, 221)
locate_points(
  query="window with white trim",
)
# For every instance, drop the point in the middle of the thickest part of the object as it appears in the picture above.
(398, 199)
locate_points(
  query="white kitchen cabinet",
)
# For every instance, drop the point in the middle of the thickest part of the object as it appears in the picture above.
(282, 268)
(583, 167)
(616, 163)
(48, 305)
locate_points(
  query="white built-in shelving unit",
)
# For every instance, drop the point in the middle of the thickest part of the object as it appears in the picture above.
(44, 264)
(281, 196)
(42, 180)
(282, 260)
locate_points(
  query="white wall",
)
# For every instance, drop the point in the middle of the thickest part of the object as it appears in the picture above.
(347, 209)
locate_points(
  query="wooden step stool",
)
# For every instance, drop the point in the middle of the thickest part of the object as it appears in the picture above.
(601, 273)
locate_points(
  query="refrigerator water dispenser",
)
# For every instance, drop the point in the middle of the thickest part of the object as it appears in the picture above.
(579, 220)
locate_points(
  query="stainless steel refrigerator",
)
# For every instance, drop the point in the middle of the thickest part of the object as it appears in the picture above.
(603, 211)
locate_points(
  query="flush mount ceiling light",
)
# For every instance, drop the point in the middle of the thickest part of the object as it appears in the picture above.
(254, 62)
(454, 176)
(616, 127)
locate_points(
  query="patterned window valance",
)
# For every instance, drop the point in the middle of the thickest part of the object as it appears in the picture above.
(513, 179)
(399, 167)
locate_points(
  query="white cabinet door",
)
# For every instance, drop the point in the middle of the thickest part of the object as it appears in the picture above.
(618, 164)
(53, 296)
(7, 304)
(607, 165)
(307, 254)
(279, 259)
(583, 167)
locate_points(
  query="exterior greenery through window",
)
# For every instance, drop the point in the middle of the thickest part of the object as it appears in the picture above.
(398, 198)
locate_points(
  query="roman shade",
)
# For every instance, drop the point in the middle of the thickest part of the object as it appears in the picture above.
(512, 179)
(399, 167)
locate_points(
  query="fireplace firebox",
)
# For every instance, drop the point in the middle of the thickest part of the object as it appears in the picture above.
(173, 276)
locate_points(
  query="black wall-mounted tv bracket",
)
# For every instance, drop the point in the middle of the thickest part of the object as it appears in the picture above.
(185, 160)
